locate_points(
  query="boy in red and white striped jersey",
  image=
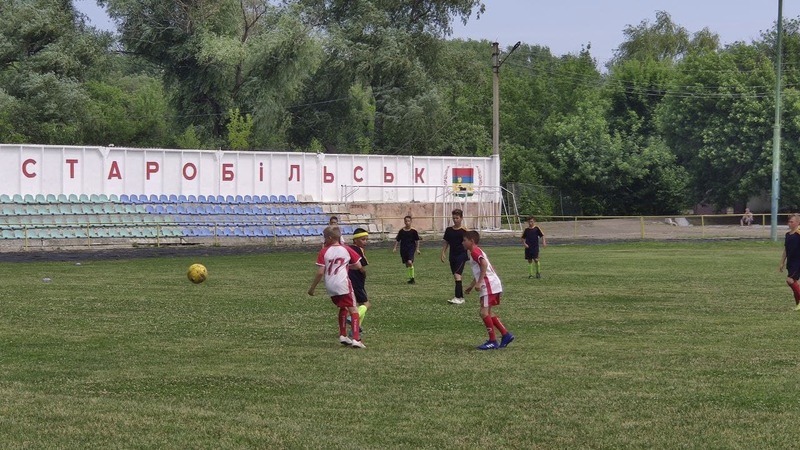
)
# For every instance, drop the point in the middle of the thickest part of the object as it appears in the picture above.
(489, 288)
(334, 261)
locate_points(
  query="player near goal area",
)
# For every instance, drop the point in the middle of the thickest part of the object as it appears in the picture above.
(332, 262)
(408, 239)
(791, 258)
(530, 239)
(454, 238)
(489, 288)
(358, 276)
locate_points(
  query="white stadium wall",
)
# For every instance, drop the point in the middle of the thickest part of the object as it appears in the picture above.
(36, 169)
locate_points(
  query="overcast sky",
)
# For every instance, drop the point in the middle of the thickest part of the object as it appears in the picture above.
(565, 26)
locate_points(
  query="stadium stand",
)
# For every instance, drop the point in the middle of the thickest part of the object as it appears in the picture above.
(166, 218)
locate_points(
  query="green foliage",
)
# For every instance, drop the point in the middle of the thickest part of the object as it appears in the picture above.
(221, 55)
(721, 132)
(664, 40)
(239, 129)
(45, 52)
(188, 139)
(130, 111)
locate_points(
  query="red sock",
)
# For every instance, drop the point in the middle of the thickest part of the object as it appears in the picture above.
(489, 327)
(354, 319)
(796, 289)
(499, 325)
(342, 322)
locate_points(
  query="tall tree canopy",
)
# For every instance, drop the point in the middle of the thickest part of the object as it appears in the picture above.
(220, 55)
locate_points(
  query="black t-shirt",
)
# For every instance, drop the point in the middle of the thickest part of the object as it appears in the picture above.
(455, 238)
(792, 245)
(407, 239)
(532, 235)
(357, 277)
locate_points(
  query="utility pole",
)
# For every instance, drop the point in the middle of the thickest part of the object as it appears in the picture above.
(776, 134)
(496, 99)
(496, 63)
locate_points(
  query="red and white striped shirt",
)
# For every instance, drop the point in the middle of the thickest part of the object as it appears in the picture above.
(336, 260)
(491, 282)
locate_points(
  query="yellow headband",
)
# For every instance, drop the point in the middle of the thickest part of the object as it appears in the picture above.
(360, 235)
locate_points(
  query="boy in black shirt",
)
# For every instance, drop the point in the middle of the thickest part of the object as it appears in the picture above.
(454, 238)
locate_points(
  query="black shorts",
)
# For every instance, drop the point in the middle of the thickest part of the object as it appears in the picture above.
(360, 294)
(407, 256)
(793, 271)
(457, 264)
(532, 253)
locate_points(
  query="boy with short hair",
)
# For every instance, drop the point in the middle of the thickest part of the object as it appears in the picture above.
(530, 239)
(791, 258)
(408, 238)
(454, 238)
(333, 261)
(489, 289)
(358, 276)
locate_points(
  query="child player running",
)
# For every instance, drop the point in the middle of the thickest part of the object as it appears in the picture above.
(530, 239)
(489, 289)
(408, 239)
(358, 276)
(333, 261)
(454, 238)
(791, 258)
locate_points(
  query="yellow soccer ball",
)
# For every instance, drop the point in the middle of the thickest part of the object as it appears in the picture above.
(197, 273)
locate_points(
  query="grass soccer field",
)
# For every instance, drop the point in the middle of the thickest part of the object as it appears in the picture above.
(646, 345)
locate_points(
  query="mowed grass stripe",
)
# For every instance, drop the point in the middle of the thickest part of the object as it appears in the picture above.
(623, 345)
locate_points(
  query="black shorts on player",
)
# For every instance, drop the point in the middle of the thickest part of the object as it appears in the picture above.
(457, 264)
(532, 253)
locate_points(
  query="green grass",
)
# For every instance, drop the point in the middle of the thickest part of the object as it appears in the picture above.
(618, 346)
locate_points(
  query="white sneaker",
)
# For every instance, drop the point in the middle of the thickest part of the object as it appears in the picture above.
(456, 301)
(358, 344)
(344, 340)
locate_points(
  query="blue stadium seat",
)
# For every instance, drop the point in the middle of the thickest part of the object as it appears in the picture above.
(201, 199)
(281, 199)
(238, 199)
(163, 198)
(124, 198)
(174, 198)
(191, 198)
(291, 199)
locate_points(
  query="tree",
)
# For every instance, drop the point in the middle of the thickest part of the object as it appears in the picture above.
(387, 49)
(45, 53)
(239, 129)
(717, 120)
(219, 55)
